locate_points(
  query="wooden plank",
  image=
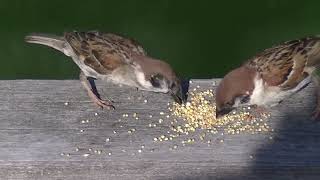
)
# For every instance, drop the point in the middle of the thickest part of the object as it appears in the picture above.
(39, 137)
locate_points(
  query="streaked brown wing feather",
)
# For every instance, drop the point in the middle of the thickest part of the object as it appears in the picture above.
(283, 65)
(109, 61)
(103, 52)
(129, 43)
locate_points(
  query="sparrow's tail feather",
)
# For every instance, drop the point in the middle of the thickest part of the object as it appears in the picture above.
(56, 42)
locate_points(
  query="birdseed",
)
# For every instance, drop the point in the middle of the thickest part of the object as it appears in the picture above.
(86, 155)
(160, 121)
(200, 111)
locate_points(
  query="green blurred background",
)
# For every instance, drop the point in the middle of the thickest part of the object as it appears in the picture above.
(201, 39)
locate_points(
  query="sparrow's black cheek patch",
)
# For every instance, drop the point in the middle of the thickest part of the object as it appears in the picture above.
(155, 83)
(245, 99)
(156, 80)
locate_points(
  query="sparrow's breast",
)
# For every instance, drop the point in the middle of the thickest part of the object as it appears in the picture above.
(123, 75)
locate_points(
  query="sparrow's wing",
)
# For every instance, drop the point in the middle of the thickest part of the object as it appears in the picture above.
(129, 43)
(103, 52)
(284, 65)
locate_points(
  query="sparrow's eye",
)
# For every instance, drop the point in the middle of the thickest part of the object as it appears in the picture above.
(245, 99)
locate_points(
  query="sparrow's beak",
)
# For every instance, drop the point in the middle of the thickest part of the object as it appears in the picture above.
(223, 112)
(178, 96)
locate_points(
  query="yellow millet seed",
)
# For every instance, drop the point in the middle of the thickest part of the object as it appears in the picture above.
(200, 113)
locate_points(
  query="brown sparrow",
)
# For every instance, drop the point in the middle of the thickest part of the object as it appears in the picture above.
(113, 58)
(272, 76)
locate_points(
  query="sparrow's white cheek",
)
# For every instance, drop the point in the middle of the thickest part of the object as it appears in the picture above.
(145, 84)
(257, 91)
(236, 102)
(263, 95)
(272, 95)
(142, 80)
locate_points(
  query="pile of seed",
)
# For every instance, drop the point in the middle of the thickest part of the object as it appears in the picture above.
(200, 113)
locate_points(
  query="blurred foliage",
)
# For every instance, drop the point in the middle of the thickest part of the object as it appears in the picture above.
(201, 39)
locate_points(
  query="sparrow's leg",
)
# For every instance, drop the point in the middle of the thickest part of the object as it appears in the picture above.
(89, 85)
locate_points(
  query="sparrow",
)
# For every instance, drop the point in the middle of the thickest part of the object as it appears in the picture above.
(113, 58)
(272, 76)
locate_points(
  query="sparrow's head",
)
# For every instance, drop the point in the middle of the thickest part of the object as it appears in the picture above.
(170, 84)
(234, 90)
(161, 77)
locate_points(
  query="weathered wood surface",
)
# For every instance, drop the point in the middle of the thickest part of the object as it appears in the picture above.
(36, 127)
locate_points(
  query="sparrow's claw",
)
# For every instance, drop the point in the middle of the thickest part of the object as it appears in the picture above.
(99, 102)
(104, 104)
